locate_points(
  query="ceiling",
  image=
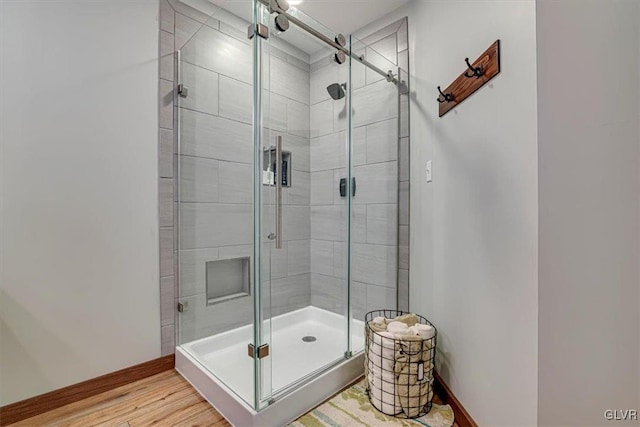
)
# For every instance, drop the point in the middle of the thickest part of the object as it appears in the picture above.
(340, 16)
(347, 16)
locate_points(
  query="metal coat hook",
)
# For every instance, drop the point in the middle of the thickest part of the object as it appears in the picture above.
(448, 97)
(476, 72)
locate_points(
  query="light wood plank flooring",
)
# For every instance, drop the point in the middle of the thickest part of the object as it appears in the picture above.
(165, 399)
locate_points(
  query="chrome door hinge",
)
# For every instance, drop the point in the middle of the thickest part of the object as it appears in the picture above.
(263, 351)
(183, 91)
(259, 29)
(348, 354)
(183, 306)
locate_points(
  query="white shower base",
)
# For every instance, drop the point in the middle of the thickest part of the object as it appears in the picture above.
(222, 372)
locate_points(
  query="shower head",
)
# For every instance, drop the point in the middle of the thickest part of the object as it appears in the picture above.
(336, 90)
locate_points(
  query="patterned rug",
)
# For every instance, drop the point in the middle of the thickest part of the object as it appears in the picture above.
(352, 408)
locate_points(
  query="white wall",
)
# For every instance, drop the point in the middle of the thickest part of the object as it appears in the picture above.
(474, 269)
(79, 283)
(589, 194)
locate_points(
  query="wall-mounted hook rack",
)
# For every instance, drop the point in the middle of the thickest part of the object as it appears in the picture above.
(446, 97)
(476, 72)
(483, 69)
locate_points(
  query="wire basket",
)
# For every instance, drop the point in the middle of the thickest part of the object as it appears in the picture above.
(399, 371)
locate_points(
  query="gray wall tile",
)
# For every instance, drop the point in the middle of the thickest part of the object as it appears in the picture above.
(295, 223)
(340, 119)
(359, 146)
(321, 122)
(167, 67)
(203, 89)
(403, 36)
(403, 247)
(299, 257)
(290, 293)
(320, 79)
(300, 192)
(202, 321)
(339, 259)
(300, 152)
(374, 103)
(167, 340)
(329, 152)
(166, 104)
(298, 118)
(216, 138)
(404, 160)
(377, 183)
(165, 200)
(382, 54)
(404, 116)
(220, 53)
(185, 29)
(358, 223)
(193, 272)
(231, 252)
(167, 16)
(166, 44)
(358, 300)
(302, 64)
(166, 56)
(380, 298)
(276, 261)
(382, 141)
(290, 81)
(165, 153)
(199, 179)
(374, 264)
(328, 222)
(167, 307)
(382, 224)
(275, 111)
(236, 100)
(322, 257)
(166, 252)
(403, 290)
(403, 204)
(328, 293)
(233, 25)
(198, 15)
(236, 182)
(206, 225)
(322, 187)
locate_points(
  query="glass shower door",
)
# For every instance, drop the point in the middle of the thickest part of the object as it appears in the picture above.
(219, 213)
(305, 150)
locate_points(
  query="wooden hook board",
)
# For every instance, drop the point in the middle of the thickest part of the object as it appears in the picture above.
(463, 87)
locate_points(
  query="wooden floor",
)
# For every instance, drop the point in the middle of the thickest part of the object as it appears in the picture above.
(165, 399)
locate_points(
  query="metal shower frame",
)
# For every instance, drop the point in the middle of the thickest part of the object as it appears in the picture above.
(281, 6)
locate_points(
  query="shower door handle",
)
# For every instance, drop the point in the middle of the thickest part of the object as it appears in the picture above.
(279, 192)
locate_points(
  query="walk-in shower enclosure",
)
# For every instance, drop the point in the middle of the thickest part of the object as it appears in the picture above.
(287, 193)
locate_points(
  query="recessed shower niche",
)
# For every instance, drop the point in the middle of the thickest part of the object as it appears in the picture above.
(269, 167)
(228, 279)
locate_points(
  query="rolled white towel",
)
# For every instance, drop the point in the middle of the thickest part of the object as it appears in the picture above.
(425, 331)
(395, 327)
(380, 319)
(381, 374)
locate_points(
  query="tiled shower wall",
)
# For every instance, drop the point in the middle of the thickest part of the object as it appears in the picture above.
(380, 166)
(216, 175)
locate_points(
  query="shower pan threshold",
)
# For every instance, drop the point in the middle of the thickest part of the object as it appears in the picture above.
(222, 372)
